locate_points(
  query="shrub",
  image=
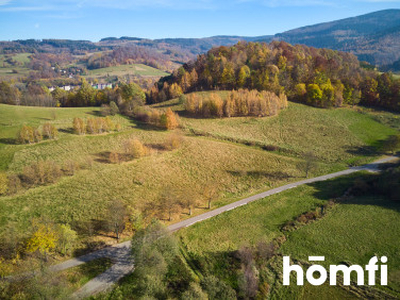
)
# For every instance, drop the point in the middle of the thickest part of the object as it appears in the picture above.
(173, 141)
(114, 158)
(70, 167)
(135, 148)
(40, 173)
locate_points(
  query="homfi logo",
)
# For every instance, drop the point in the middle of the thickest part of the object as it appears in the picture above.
(317, 274)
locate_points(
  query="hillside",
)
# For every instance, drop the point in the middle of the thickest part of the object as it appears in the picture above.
(372, 37)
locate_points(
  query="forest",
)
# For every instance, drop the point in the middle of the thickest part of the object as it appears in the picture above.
(317, 77)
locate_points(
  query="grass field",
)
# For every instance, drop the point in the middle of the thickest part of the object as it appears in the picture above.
(351, 232)
(338, 137)
(137, 69)
(8, 71)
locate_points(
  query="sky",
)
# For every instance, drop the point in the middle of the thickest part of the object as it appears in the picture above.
(97, 19)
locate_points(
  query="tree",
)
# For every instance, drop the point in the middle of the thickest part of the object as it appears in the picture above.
(210, 192)
(314, 94)
(169, 120)
(26, 135)
(49, 131)
(113, 108)
(116, 214)
(79, 126)
(309, 163)
(243, 76)
(43, 240)
(67, 238)
(153, 249)
(85, 96)
(92, 126)
(168, 202)
(188, 199)
(37, 136)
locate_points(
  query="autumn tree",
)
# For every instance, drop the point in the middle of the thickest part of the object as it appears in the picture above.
(79, 126)
(43, 240)
(26, 135)
(314, 94)
(168, 202)
(49, 131)
(210, 193)
(188, 199)
(169, 120)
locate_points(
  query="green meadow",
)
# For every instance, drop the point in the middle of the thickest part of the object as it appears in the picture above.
(135, 69)
(351, 232)
(222, 153)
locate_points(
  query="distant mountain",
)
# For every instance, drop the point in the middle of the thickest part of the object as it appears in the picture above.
(373, 37)
(193, 46)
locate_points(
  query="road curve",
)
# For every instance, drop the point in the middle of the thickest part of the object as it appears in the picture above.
(120, 253)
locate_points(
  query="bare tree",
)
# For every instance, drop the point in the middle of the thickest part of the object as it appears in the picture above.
(308, 164)
(210, 193)
(116, 217)
(168, 202)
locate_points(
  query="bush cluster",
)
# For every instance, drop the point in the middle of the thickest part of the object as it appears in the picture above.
(162, 119)
(94, 125)
(31, 135)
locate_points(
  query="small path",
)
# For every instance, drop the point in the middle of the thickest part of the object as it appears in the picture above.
(120, 253)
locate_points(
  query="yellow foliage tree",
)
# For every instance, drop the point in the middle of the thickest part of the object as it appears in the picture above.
(44, 240)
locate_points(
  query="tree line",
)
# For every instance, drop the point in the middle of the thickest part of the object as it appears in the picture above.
(318, 77)
(125, 95)
(237, 103)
